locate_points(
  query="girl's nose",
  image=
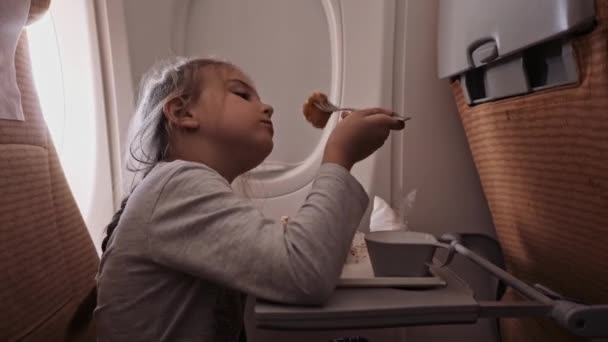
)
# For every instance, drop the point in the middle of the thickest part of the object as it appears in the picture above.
(267, 109)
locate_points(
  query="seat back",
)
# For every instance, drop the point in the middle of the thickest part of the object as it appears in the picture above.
(543, 163)
(48, 261)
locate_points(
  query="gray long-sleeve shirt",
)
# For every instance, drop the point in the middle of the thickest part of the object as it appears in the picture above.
(187, 248)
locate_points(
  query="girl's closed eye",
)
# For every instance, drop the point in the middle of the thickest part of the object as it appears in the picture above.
(243, 94)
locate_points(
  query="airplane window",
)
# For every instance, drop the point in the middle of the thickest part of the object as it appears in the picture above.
(50, 86)
(48, 76)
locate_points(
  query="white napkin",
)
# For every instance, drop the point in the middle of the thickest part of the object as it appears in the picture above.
(383, 217)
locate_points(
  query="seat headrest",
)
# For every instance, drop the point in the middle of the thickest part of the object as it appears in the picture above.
(37, 9)
(14, 15)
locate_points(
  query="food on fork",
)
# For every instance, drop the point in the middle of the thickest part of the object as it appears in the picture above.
(313, 114)
(318, 110)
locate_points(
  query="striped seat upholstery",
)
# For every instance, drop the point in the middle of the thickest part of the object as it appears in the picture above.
(48, 261)
(543, 163)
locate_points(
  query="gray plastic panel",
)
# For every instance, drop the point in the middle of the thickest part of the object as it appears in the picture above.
(544, 66)
(502, 27)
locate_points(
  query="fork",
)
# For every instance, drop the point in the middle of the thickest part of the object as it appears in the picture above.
(329, 107)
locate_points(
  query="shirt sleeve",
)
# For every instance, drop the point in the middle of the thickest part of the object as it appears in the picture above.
(201, 227)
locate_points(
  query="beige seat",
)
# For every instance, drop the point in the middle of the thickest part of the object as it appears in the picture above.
(48, 261)
(543, 163)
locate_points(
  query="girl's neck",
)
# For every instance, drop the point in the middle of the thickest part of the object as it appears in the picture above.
(214, 160)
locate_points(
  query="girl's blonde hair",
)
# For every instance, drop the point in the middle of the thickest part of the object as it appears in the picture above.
(149, 130)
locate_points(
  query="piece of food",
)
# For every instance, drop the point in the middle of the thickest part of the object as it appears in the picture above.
(314, 115)
(358, 250)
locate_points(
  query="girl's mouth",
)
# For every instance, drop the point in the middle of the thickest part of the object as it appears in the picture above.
(269, 124)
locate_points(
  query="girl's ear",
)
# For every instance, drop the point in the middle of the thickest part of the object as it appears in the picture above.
(177, 113)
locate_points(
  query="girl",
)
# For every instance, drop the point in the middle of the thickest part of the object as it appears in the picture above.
(184, 250)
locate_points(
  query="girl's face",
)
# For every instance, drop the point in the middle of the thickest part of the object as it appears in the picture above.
(233, 118)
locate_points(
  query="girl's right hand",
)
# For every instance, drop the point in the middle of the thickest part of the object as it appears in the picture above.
(360, 134)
